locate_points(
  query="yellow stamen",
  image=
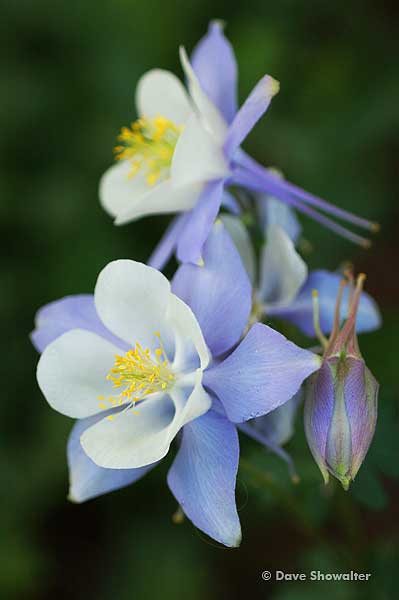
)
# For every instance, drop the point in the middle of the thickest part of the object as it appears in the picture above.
(149, 144)
(316, 319)
(139, 373)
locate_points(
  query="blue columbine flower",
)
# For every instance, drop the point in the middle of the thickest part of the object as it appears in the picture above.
(142, 362)
(282, 284)
(184, 150)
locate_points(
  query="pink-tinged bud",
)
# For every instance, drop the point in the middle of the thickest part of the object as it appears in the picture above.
(341, 401)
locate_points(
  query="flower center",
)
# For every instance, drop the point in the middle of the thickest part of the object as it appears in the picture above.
(138, 374)
(149, 144)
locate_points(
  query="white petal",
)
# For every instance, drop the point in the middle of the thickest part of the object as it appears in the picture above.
(164, 197)
(190, 405)
(118, 192)
(131, 300)
(133, 440)
(197, 156)
(128, 199)
(72, 372)
(283, 272)
(135, 300)
(211, 116)
(189, 341)
(160, 92)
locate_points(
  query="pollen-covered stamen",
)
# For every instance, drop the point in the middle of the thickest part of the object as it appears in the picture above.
(149, 145)
(138, 374)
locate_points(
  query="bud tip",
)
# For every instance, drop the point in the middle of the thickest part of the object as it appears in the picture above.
(345, 482)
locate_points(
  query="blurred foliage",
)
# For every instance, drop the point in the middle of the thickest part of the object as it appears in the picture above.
(68, 71)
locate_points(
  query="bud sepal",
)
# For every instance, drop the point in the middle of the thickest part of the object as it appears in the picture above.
(341, 402)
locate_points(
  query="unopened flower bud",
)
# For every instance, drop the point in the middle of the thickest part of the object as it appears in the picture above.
(341, 401)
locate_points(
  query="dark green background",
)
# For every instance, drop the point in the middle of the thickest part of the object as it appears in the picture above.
(68, 72)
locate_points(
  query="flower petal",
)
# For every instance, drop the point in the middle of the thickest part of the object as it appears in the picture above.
(361, 401)
(136, 301)
(215, 66)
(318, 415)
(199, 223)
(250, 112)
(272, 211)
(189, 341)
(203, 476)
(210, 115)
(300, 311)
(86, 479)
(71, 312)
(190, 402)
(242, 241)
(166, 247)
(72, 372)
(118, 192)
(197, 157)
(131, 300)
(163, 198)
(262, 373)
(160, 92)
(219, 292)
(278, 425)
(133, 438)
(141, 436)
(230, 203)
(282, 270)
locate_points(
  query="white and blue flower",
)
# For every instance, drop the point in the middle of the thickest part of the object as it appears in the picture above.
(142, 362)
(282, 282)
(184, 149)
